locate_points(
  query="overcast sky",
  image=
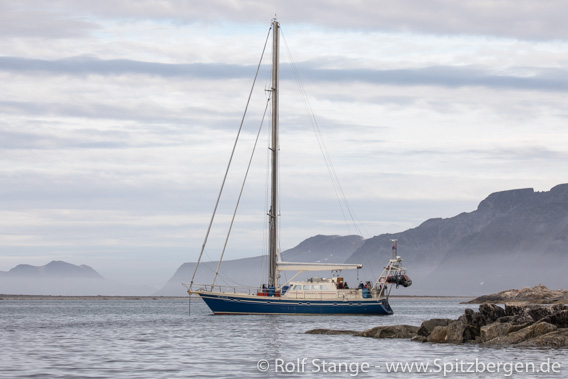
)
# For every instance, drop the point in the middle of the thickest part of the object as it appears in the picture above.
(118, 117)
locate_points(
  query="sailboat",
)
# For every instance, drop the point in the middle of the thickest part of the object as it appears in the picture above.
(317, 295)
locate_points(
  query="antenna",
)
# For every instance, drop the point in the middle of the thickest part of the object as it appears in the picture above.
(394, 248)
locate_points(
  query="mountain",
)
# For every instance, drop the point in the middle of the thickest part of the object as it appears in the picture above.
(514, 239)
(62, 278)
(54, 269)
(248, 271)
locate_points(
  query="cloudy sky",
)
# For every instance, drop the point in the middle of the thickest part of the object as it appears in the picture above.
(118, 117)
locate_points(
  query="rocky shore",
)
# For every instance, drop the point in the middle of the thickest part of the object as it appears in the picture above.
(514, 325)
(535, 295)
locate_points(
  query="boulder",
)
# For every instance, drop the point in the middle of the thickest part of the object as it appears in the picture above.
(524, 334)
(473, 322)
(491, 312)
(429, 325)
(555, 339)
(331, 332)
(539, 312)
(439, 334)
(560, 319)
(451, 333)
(391, 331)
(498, 329)
(521, 314)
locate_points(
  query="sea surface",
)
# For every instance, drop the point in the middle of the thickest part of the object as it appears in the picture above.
(161, 339)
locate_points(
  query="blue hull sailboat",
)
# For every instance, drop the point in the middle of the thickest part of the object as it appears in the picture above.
(315, 295)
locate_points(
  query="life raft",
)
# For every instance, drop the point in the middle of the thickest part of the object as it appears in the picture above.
(400, 280)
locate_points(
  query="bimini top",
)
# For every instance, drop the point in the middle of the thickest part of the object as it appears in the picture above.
(306, 266)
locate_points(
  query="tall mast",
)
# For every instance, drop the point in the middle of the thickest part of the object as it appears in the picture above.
(273, 213)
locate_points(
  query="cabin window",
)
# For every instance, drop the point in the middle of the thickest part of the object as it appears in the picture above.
(306, 287)
(315, 287)
(297, 287)
(324, 287)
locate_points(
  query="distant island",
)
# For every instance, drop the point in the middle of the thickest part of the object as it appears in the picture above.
(61, 278)
(532, 295)
(54, 269)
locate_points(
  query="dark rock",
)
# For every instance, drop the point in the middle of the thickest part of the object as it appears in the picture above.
(491, 312)
(473, 322)
(391, 331)
(429, 325)
(524, 334)
(519, 314)
(560, 319)
(439, 334)
(531, 313)
(539, 312)
(498, 329)
(331, 332)
(514, 309)
(451, 333)
(555, 339)
(494, 330)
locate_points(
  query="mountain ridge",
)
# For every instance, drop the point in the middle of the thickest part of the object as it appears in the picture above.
(498, 244)
(515, 238)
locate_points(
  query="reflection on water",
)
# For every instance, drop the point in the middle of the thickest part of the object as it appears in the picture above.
(158, 339)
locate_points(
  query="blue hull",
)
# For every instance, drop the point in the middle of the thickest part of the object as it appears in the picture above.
(234, 304)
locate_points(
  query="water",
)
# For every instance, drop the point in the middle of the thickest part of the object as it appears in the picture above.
(158, 339)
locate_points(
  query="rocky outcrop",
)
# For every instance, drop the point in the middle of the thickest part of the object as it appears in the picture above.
(391, 331)
(536, 295)
(515, 325)
(428, 326)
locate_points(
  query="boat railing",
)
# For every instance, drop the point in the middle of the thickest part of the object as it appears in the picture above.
(227, 289)
(222, 289)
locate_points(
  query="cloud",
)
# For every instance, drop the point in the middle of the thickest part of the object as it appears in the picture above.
(20, 21)
(523, 19)
(89, 66)
(544, 79)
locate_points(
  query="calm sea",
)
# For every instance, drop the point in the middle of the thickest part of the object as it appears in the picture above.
(158, 339)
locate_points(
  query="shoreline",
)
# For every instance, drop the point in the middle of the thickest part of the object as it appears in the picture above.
(149, 297)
